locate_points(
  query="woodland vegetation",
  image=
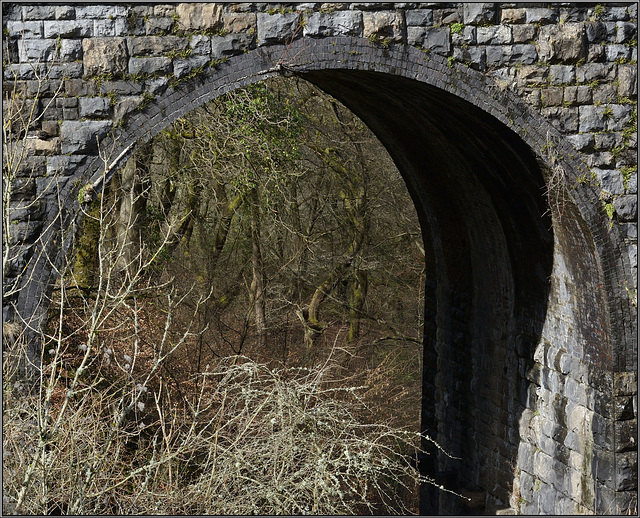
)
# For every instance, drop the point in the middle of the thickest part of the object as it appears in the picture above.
(238, 331)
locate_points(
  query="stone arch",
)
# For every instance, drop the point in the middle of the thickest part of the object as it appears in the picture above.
(477, 162)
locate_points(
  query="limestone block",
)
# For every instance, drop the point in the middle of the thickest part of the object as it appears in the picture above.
(38, 12)
(562, 74)
(541, 15)
(497, 55)
(65, 12)
(94, 107)
(50, 128)
(525, 457)
(70, 50)
(158, 85)
(562, 43)
(529, 75)
(235, 22)
(23, 189)
(610, 180)
(523, 33)
(603, 160)
(603, 94)
(64, 165)
(614, 13)
(423, 17)
(367, 6)
(276, 28)
(383, 24)
(552, 96)
(41, 147)
(620, 116)
(156, 45)
(573, 14)
(596, 32)
(78, 87)
(24, 232)
(579, 418)
(632, 184)
(437, 40)
(415, 35)
(68, 28)
(626, 471)
(630, 232)
(627, 80)
(135, 20)
(564, 506)
(607, 140)
(626, 31)
(625, 383)
(617, 52)
(181, 67)
(81, 137)
(626, 435)
(592, 119)
(478, 13)
(348, 23)
(11, 12)
(633, 256)
(200, 45)
(167, 10)
(157, 25)
(149, 66)
(199, 17)
(25, 29)
(582, 142)
(26, 210)
(121, 87)
(496, 35)
(104, 56)
(229, 44)
(126, 105)
(468, 36)
(65, 71)
(37, 51)
(576, 95)
(475, 56)
(101, 11)
(603, 432)
(626, 207)
(513, 15)
(104, 28)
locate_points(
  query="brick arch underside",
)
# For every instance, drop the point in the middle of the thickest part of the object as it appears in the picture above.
(492, 249)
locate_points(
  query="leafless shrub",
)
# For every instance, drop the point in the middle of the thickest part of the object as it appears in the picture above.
(254, 440)
(556, 189)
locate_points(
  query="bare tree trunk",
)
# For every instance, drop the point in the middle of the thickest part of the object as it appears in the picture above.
(86, 258)
(134, 190)
(257, 283)
(357, 297)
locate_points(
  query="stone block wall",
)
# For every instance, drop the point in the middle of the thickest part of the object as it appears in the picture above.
(576, 65)
(569, 414)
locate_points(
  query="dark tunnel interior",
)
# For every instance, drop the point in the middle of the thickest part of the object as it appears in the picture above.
(480, 197)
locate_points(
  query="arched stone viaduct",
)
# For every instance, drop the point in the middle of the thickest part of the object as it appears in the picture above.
(530, 339)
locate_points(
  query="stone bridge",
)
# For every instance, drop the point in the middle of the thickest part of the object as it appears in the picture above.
(515, 128)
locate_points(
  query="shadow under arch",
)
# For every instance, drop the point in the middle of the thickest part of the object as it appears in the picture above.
(477, 163)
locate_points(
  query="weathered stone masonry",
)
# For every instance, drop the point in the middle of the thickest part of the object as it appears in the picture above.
(530, 319)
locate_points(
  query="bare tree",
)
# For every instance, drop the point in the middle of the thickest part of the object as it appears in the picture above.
(145, 404)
